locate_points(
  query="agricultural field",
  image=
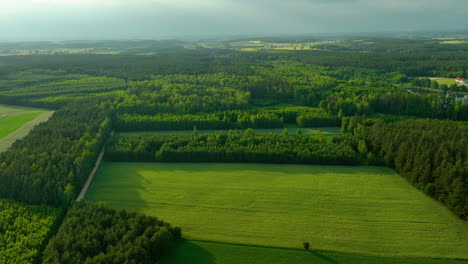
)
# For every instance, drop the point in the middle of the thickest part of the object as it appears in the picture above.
(256, 45)
(23, 231)
(212, 253)
(358, 210)
(16, 122)
(447, 81)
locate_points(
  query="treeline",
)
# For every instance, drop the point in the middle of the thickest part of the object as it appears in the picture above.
(431, 105)
(97, 234)
(24, 230)
(433, 84)
(431, 154)
(413, 64)
(236, 146)
(235, 119)
(55, 94)
(50, 165)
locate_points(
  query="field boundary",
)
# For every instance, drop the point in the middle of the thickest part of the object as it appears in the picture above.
(23, 131)
(91, 175)
(319, 250)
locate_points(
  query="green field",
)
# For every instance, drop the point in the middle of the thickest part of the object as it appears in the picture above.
(448, 81)
(10, 123)
(219, 253)
(359, 210)
(17, 121)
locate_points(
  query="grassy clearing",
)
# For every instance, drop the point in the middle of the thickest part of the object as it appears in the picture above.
(8, 140)
(218, 253)
(9, 110)
(448, 81)
(360, 210)
(11, 123)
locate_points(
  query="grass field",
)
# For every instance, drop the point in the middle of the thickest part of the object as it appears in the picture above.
(16, 122)
(219, 253)
(359, 210)
(11, 123)
(448, 81)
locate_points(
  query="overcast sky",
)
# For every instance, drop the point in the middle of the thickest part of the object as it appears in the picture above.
(161, 19)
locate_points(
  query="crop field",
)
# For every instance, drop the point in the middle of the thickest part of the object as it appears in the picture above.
(359, 210)
(220, 253)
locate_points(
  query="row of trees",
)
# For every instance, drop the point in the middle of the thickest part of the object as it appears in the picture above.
(24, 230)
(54, 90)
(50, 165)
(430, 105)
(97, 234)
(234, 119)
(233, 147)
(431, 154)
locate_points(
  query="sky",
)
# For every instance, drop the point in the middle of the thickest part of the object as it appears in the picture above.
(164, 19)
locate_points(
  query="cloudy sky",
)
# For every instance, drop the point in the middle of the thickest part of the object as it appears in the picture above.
(160, 19)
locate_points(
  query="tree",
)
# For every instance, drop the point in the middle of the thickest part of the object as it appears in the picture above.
(306, 245)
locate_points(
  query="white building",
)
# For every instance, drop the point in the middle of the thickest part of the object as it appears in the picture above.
(461, 80)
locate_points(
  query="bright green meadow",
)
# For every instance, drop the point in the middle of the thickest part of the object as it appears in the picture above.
(358, 210)
(10, 123)
(219, 253)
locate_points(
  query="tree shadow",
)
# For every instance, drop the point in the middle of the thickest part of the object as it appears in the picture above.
(323, 257)
(189, 252)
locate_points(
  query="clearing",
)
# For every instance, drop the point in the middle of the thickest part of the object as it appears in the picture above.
(359, 210)
(16, 122)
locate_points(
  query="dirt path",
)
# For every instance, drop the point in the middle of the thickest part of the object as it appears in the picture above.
(91, 176)
(7, 141)
(93, 172)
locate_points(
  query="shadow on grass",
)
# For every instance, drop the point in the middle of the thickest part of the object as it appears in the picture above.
(189, 252)
(323, 257)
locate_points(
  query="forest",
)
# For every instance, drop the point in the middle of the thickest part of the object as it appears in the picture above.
(389, 116)
(239, 147)
(97, 234)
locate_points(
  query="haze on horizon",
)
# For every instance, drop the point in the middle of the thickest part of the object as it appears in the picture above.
(23, 20)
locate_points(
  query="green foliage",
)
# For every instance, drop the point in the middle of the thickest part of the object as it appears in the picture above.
(94, 233)
(431, 154)
(234, 147)
(39, 168)
(24, 230)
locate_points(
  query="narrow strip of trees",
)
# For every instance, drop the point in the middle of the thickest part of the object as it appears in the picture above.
(234, 147)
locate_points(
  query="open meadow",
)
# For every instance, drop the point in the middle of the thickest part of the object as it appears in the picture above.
(16, 122)
(359, 210)
(219, 253)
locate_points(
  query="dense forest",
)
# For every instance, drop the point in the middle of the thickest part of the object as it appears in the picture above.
(234, 119)
(431, 154)
(97, 234)
(50, 165)
(24, 230)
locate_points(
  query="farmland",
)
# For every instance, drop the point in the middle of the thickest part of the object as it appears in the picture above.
(16, 122)
(211, 253)
(360, 210)
(447, 81)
